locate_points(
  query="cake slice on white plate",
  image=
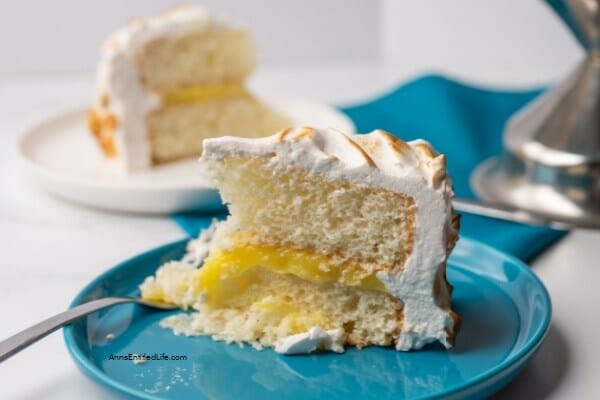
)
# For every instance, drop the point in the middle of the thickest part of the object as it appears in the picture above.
(333, 239)
(167, 82)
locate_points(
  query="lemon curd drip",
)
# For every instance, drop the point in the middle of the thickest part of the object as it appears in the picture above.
(204, 93)
(229, 272)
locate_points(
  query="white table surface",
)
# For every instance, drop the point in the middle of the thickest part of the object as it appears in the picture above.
(51, 249)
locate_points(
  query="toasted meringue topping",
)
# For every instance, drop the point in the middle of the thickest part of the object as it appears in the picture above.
(378, 149)
(175, 21)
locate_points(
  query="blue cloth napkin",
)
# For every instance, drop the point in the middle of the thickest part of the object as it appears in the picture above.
(463, 122)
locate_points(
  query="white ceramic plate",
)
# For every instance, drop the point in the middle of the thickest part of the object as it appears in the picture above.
(61, 156)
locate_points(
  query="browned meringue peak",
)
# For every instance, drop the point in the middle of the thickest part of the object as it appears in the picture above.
(378, 149)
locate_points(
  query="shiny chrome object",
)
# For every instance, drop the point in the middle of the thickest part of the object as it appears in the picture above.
(27, 337)
(551, 160)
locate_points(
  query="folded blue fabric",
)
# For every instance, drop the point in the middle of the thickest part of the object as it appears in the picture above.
(461, 121)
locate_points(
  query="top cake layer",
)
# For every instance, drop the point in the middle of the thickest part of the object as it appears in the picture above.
(160, 40)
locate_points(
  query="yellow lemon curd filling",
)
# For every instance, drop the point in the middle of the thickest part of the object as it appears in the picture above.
(229, 272)
(270, 286)
(204, 93)
(226, 274)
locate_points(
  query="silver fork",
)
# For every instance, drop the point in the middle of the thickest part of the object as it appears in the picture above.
(27, 337)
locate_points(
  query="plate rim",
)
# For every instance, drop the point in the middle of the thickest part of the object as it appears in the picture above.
(511, 364)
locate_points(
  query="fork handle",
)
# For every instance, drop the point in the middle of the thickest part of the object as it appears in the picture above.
(19, 341)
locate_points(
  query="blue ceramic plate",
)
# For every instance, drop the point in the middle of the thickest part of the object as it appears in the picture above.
(504, 307)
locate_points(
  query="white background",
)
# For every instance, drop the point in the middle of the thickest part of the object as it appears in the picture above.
(509, 42)
(327, 50)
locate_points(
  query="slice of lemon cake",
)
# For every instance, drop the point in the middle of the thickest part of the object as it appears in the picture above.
(331, 240)
(166, 82)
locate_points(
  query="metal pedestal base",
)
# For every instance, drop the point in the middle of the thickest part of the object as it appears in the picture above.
(493, 181)
(551, 159)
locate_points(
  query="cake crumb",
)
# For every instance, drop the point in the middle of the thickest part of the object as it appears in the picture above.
(139, 359)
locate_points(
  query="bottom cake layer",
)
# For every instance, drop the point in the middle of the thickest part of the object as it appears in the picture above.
(176, 130)
(275, 306)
